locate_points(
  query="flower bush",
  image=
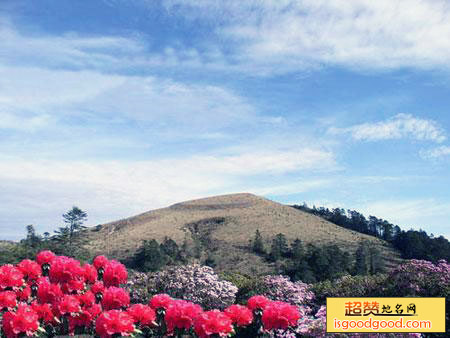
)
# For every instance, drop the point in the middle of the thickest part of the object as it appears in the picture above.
(57, 295)
(420, 278)
(195, 283)
(137, 286)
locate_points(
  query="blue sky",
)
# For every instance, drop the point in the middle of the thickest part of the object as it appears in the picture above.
(122, 106)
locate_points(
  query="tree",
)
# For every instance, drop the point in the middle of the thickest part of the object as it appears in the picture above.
(70, 237)
(279, 248)
(297, 250)
(361, 260)
(375, 260)
(149, 257)
(258, 244)
(170, 248)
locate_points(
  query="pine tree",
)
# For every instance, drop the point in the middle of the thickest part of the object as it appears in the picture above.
(71, 237)
(279, 247)
(297, 250)
(258, 244)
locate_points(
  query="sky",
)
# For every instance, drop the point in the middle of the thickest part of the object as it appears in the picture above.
(123, 106)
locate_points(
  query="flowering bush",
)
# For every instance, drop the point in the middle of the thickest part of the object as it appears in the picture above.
(420, 278)
(282, 289)
(195, 283)
(137, 287)
(56, 295)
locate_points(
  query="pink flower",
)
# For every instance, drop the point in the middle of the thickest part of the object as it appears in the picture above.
(114, 274)
(69, 305)
(181, 314)
(30, 269)
(45, 257)
(65, 269)
(8, 300)
(115, 298)
(114, 322)
(90, 273)
(213, 322)
(24, 321)
(257, 302)
(10, 277)
(48, 292)
(161, 300)
(142, 314)
(280, 315)
(239, 315)
(99, 262)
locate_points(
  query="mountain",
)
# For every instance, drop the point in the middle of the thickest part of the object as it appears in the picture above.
(224, 225)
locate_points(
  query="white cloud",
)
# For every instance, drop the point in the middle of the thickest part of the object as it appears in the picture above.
(281, 36)
(33, 96)
(397, 127)
(34, 190)
(436, 153)
(69, 50)
(13, 121)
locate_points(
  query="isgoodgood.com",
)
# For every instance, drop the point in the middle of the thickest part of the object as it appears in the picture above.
(373, 324)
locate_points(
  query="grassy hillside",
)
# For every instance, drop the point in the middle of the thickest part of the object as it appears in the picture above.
(224, 225)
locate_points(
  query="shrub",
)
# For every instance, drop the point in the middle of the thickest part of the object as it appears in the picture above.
(137, 286)
(420, 278)
(247, 286)
(350, 286)
(280, 288)
(195, 283)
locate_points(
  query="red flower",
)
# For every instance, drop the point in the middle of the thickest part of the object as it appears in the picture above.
(181, 314)
(98, 287)
(239, 315)
(8, 300)
(85, 318)
(87, 299)
(115, 298)
(142, 314)
(24, 294)
(114, 274)
(257, 302)
(45, 257)
(213, 322)
(48, 292)
(44, 311)
(161, 300)
(24, 321)
(10, 277)
(100, 262)
(30, 269)
(65, 269)
(280, 315)
(69, 304)
(114, 322)
(90, 273)
(73, 286)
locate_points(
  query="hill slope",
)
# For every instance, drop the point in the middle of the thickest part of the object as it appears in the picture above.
(225, 224)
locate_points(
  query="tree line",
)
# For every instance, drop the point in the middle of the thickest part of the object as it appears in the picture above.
(311, 263)
(412, 244)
